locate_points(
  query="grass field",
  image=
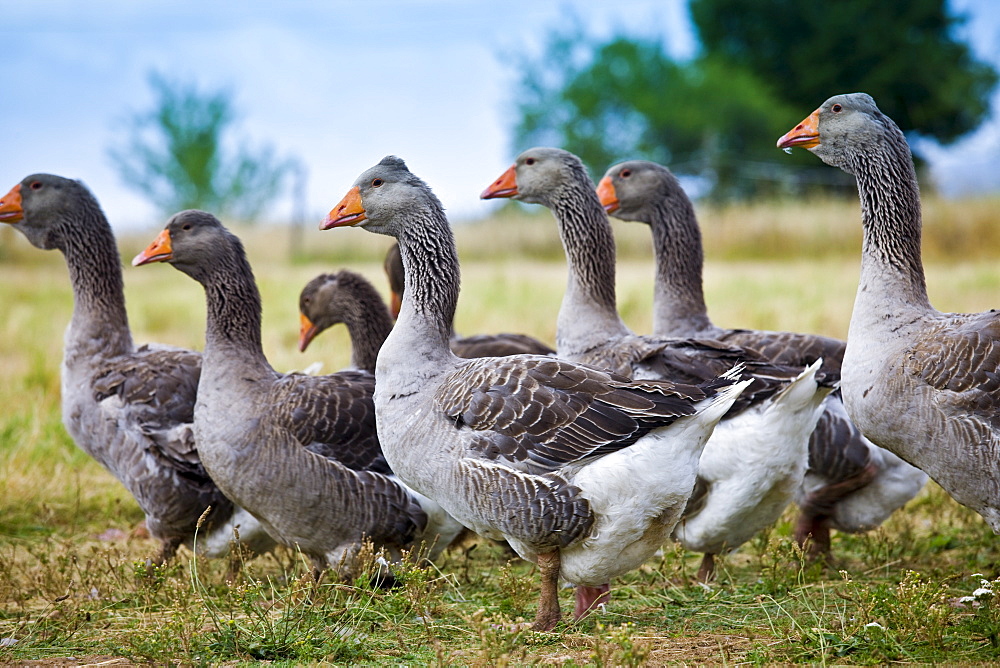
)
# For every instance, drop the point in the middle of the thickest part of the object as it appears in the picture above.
(74, 588)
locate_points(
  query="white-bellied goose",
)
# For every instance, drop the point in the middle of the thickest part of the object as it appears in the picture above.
(581, 471)
(477, 345)
(851, 484)
(918, 382)
(128, 407)
(349, 298)
(265, 436)
(763, 439)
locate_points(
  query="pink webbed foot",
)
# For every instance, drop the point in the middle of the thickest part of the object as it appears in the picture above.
(589, 598)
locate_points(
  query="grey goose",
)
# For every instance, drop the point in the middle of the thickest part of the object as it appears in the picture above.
(766, 432)
(129, 407)
(267, 438)
(349, 298)
(920, 383)
(582, 471)
(851, 484)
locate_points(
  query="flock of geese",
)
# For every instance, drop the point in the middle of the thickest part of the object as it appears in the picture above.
(585, 459)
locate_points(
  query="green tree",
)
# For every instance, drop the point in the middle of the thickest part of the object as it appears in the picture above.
(626, 98)
(175, 155)
(719, 114)
(904, 53)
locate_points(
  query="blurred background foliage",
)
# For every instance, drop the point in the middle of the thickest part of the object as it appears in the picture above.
(762, 66)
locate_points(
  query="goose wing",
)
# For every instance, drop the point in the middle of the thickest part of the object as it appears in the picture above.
(792, 348)
(333, 416)
(154, 392)
(958, 356)
(539, 414)
(696, 361)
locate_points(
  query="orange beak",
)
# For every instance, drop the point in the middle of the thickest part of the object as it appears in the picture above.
(396, 303)
(803, 135)
(307, 332)
(158, 251)
(505, 186)
(350, 211)
(606, 191)
(10, 206)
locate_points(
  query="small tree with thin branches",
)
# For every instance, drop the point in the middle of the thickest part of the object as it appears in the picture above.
(176, 155)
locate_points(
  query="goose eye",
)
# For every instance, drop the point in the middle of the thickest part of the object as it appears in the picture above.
(626, 173)
(836, 108)
(36, 185)
(377, 182)
(529, 161)
(186, 226)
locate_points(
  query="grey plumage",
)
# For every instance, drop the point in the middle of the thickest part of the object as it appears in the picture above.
(514, 447)
(130, 408)
(918, 382)
(589, 329)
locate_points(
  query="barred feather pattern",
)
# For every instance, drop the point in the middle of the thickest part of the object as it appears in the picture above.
(539, 414)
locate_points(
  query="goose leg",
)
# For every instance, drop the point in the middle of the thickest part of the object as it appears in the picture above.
(812, 533)
(168, 548)
(548, 601)
(706, 572)
(814, 522)
(590, 598)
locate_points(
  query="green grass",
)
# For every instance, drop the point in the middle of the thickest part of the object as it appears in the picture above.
(71, 588)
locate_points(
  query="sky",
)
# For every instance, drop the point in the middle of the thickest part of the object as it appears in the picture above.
(335, 84)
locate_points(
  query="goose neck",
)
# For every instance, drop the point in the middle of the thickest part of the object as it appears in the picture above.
(890, 210)
(100, 321)
(369, 326)
(589, 314)
(432, 280)
(589, 245)
(233, 326)
(678, 298)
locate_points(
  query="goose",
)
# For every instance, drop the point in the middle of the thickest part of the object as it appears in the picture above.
(129, 407)
(581, 471)
(478, 345)
(758, 455)
(263, 435)
(349, 298)
(851, 484)
(918, 382)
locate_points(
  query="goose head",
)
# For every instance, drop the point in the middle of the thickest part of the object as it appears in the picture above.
(538, 176)
(383, 200)
(841, 129)
(193, 241)
(44, 207)
(328, 300)
(628, 188)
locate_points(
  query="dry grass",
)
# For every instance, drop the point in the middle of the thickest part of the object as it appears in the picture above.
(70, 588)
